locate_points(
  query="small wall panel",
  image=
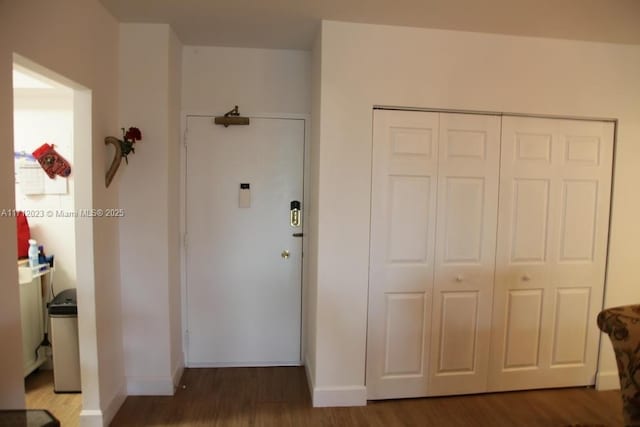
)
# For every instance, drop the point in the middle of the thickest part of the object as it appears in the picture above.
(579, 207)
(464, 219)
(522, 340)
(529, 221)
(411, 141)
(570, 329)
(409, 218)
(404, 343)
(458, 332)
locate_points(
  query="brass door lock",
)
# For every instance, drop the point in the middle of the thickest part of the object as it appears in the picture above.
(295, 215)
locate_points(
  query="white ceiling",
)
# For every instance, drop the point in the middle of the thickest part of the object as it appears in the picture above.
(291, 24)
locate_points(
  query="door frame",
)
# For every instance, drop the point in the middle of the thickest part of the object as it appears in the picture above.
(83, 195)
(600, 383)
(306, 118)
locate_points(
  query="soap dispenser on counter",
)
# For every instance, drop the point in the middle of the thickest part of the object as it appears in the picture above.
(33, 253)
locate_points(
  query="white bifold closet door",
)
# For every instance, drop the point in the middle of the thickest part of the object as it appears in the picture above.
(552, 242)
(488, 252)
(434, 201)
(465, 252)
(403, 221)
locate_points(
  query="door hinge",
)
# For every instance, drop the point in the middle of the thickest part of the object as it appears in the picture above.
(184, 240)
(185, 136)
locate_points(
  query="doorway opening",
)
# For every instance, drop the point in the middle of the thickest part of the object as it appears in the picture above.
(52, 129)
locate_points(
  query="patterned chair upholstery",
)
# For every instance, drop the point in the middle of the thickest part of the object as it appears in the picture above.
(622, 324)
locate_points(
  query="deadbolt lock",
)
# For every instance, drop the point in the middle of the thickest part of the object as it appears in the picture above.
(285, 254)
(295, 216)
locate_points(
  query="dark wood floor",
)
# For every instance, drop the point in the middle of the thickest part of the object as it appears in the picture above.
(279, 397)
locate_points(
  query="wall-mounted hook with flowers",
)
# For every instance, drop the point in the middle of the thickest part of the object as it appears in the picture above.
(123, 147)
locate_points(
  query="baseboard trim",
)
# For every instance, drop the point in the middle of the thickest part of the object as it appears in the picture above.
(310, 381)
(115, 404)
(177, 376)
(100, 418)
(150, 386)
(339, 396)
(607, 381)
(91, 418)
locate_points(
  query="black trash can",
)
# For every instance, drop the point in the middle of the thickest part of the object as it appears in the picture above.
(63, 311)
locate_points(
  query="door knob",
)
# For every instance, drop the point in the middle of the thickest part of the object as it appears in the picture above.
(459, 278)
(526, 277)
(285, 254)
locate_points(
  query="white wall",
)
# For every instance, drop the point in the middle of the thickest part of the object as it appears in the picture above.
(215, 79)
(365, 65)
(46, 115)
(77, 39)
(149, 88)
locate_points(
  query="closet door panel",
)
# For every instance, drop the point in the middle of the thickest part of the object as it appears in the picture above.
(524, 316)
(555, 179)
(457, 340)
(464, 252)
(571, 318)
(529, 218)
(578, 220)
(403, 218)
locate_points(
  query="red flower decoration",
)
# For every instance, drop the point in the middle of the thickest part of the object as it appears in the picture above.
(129, 138)
(133, 135)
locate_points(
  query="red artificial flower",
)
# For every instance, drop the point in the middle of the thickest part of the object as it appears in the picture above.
(133, 134)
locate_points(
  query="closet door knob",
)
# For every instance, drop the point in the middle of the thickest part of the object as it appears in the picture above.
(526, 277)
(459, 278)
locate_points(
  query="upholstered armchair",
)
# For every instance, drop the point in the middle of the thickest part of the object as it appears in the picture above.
(622, 324)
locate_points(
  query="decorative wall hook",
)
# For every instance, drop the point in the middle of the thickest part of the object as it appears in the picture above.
(117, 158)
(123, 147)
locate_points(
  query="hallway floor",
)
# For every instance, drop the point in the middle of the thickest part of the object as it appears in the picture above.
(280, 397)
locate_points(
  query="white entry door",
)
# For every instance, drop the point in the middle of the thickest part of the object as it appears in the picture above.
(551, 253)
(243, 267)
